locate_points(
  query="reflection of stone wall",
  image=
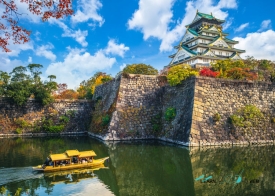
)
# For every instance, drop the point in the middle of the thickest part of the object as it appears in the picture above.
(253, 164)
(33, 111)
(151, 169)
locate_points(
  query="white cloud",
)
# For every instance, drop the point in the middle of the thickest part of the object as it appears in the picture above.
(266, 24)
(7, 64)
(87, 10)
(154, 17)
(30, 59)
(44, 51)
(121, 67)
(227, 23)
(80, 64)
(261, 45)
(242, 27)
(116, 49)
(79, 36)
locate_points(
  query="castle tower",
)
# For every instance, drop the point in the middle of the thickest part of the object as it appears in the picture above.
(204, 42)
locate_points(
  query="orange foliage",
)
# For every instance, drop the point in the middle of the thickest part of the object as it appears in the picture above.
(9, 28)
(67, 94)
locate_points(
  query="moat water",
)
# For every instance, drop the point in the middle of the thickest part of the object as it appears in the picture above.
(138, 168)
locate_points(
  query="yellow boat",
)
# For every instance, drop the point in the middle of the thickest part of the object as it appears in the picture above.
(71, 159)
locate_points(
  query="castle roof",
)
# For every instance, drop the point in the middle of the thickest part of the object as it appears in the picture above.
(201, 15)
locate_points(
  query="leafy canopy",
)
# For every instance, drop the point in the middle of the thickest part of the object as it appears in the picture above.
(86, 89)
(9, 22)
(140, 69)
(178, 73)
(20, 86)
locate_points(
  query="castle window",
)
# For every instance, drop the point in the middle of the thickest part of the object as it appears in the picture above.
(220, 53)
(227, 54)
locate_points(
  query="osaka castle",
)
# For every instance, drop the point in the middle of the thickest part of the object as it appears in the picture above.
(204, 42)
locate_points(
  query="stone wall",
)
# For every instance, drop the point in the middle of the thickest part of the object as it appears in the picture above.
(225, 97)
(141, 104)
(78, 111)
(142, 101)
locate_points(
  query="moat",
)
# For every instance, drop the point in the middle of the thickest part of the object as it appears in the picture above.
(138, 168)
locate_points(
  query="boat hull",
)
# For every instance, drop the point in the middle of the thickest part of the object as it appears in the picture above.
(95, 163)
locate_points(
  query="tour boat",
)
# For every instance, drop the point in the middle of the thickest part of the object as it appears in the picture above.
(71, 159)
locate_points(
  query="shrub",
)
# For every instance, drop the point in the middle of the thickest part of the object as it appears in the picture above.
(216, 117)
(105, 120)
(22, 123)
(180, 72)
(273, 120)
(248, 116)
(18, 130)
(64, 119)
(240, 74)
(208, 72)
(170, 113)
(56, 128)
(140, 69)
(156, 122)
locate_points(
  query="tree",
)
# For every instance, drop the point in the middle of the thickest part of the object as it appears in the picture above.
(67, 94)
(86, 88)
(9, 22)
(19, 86)
(140, 69)
(178, 73)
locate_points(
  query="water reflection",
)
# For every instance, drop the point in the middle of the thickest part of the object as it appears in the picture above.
(139, 168)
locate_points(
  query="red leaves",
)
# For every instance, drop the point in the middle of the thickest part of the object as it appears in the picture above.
(10, 29)
(208, 72)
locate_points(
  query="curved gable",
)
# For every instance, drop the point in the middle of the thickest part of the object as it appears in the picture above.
(220, 43)
(187, 36)
(181, 54)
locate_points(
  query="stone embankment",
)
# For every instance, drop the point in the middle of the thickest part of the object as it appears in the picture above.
(142, 102)
(29, 117)
(133, 107)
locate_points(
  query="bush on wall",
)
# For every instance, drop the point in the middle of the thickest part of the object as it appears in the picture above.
(170, 114)
(248, 116)
(178, 73)
(140, 69)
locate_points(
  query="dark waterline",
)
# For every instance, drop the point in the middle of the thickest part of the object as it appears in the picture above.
(138, 168)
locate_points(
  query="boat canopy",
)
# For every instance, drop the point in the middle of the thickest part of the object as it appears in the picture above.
(59, 157)
(72, 153)
(89, 153)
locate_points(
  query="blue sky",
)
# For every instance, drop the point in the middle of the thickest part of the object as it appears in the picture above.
(105, 35)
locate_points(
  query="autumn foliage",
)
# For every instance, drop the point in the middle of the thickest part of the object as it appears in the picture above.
(9, 22)
(67, 94)
(208, 72)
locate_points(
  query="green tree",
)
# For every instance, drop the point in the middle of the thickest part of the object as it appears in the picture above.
(86, 88)
(140, 69)
(19, 89)
(19, 86)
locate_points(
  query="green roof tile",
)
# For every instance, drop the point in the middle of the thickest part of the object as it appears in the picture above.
(205, 15)
(188, 50)
(193, 32)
